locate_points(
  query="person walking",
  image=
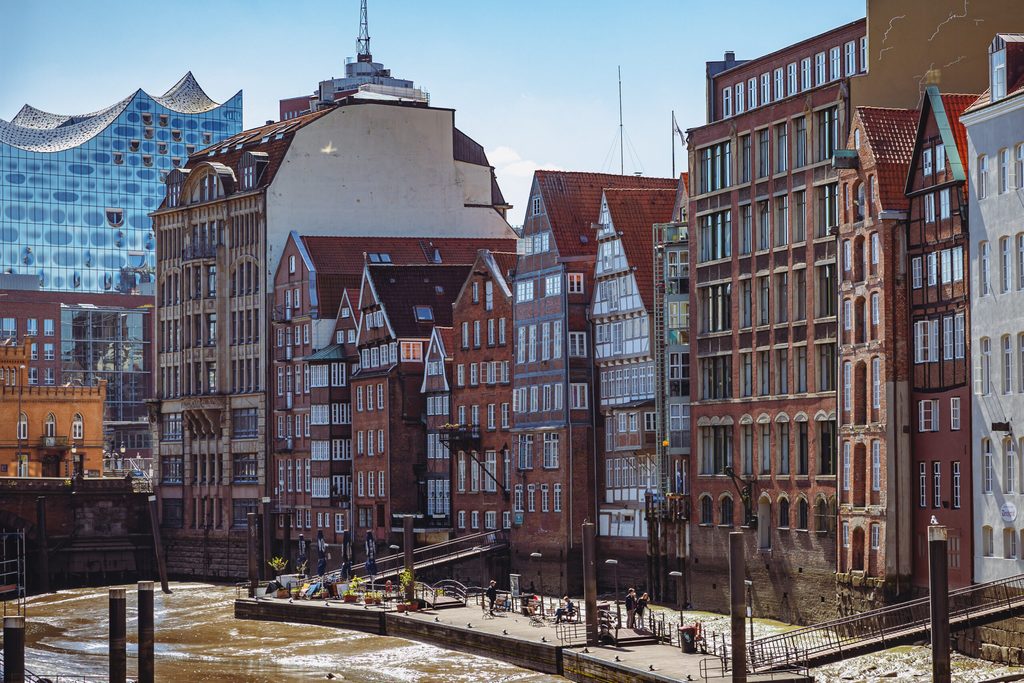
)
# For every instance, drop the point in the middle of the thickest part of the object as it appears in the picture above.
(630, 607)
(641, 606)
(492, 595)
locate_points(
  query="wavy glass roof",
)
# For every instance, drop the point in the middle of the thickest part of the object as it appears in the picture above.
(35, 130)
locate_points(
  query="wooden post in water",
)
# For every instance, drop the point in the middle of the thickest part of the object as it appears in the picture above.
(737, 585)
(289, 518)
(590, 580)
(44, 545)
(158, 546)
(938, 592)
(14, 649)
(145, 632)
(252, 547)
(408, 540)
(118, 637)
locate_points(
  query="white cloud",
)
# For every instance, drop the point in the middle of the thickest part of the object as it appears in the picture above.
(515, 175)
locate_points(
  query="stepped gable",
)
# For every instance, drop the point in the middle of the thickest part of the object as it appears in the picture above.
(634, 213)
(572, 201)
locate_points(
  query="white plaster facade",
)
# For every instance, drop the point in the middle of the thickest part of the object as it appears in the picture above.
(379, 169)
(996, 151)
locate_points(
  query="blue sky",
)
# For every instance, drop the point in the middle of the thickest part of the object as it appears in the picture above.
(534, 81)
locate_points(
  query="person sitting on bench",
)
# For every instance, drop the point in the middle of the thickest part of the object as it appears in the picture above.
(567, 611)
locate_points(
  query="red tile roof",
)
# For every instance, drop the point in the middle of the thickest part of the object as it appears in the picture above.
(634, 213)
(401, 288)
(447, 335)
(339, 259)
(890, 134)
(572, 202)
(507, 262)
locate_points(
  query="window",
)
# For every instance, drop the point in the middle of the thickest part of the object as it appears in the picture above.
(954, 413)
(875, 535)
(850, 50)
(781, 148)
(752, 92)
(997, 69)
(982, 179)
(987, 468)
(740, 92)
(986, 366)
(800, 141)
(828, 132)
(791, 83)
(928, 415)
(1007, 370)
(819, 68)
(835, 68)
(780, 81)
(763, 152)
(716, 165)
(766, 88)
(727, 102)
(922, 484)
(575, 283)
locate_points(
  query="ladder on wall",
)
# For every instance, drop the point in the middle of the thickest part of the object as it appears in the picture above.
(12, 572)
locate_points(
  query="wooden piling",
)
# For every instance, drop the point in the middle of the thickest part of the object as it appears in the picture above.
(590, 580)
(146, 632)
(737, 586)
(118, 636)
(938, 592)
(44, 545)
(408, 542)
(14, 649)
(252, 547)
(158, 546)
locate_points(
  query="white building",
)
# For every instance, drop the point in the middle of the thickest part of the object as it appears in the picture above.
(995, 132)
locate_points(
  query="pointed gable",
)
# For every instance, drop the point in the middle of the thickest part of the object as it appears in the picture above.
(888, 137)
(946, 110)
(633, 214)
(572, 200)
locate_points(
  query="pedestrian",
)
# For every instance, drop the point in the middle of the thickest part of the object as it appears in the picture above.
(641, 605)
(300, 561)
(630, 607)
(492, 595)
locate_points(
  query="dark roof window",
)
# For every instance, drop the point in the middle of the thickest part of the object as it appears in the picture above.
(380, 257)
(424, 314)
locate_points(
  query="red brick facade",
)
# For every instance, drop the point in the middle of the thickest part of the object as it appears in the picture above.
(763, 210)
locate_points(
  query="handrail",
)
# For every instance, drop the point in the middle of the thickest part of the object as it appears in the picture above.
(883, 627)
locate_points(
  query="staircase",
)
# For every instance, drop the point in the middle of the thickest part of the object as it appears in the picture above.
(880, 629)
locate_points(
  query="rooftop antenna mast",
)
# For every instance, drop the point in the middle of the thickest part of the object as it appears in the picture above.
(363, 42)
(622, 158)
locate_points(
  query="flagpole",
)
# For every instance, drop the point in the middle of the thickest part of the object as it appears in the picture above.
(673, 133)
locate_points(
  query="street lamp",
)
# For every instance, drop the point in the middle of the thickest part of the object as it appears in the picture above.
(615, 564)
(678, 575)
(540, 577)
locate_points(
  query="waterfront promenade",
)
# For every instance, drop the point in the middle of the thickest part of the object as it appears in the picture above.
(510, 637)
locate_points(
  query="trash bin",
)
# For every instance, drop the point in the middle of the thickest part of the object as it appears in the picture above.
(687, 639)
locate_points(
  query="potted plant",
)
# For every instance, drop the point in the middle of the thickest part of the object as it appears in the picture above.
(301, 569)
(406, 580)
(351, 594)
(278, 564)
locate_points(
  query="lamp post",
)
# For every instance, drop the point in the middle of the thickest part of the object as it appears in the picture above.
(540, 576)
(678, 576)
(120, 460)
(615, 564)
(394, 549)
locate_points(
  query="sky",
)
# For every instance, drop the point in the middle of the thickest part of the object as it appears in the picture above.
(534, 81)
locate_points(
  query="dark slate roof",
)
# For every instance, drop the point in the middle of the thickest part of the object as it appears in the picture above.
(332, 352)
(890, 134)
(400, 288)
(339, 259)
(572, 201)
(634, 213)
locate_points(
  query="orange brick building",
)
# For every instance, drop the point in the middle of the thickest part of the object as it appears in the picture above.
(47, 431)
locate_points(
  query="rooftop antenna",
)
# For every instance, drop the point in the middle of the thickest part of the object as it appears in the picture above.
(622, 158)
(363, 42)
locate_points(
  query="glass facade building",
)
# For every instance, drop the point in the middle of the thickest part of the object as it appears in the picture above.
(76, 190)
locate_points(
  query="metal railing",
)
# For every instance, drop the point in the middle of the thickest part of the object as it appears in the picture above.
(436, 553)
(884, 628)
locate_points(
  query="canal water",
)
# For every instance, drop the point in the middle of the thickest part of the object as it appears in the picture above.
(198, 639)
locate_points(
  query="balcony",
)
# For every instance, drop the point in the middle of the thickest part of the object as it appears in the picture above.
(422, 522)
(59, 442)
(458, 437)
(199, 250)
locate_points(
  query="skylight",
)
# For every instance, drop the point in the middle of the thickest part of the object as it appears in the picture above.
(424, 314)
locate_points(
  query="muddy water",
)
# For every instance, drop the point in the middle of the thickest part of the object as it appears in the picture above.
(198, 639)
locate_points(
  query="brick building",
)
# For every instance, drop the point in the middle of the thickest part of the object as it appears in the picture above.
(47, 431)
(621, 316)
(940, 389)
(399, 308)
(481, 398)
(875, 512)
(554, 393)
(437, 390)
(764, 208)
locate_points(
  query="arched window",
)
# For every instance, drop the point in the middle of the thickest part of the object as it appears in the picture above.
(986, 541)
(858, 202)
(1009, 543)
(50, 426)
(706, 510)
(727, 518)
(23, 426)
(823, 522)
(764, 519)
(783, 513)
(987, 474)
(77, 427)
(802, 513)
(1010, 460)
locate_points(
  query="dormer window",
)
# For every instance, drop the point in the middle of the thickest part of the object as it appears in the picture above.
(997, 68)
(249, 178)
(424, 314)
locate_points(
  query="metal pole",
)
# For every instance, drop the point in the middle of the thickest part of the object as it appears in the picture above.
(408, 541)
(252, 546)
(737, 576)
(938, 591)
(146, 638)
(266, 553)
(590, 580)
(44, 550)
(158, 546)
(14, 649)
(118, 636)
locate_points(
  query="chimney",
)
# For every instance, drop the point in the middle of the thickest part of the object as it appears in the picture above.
(730, 56)
(269, 121)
